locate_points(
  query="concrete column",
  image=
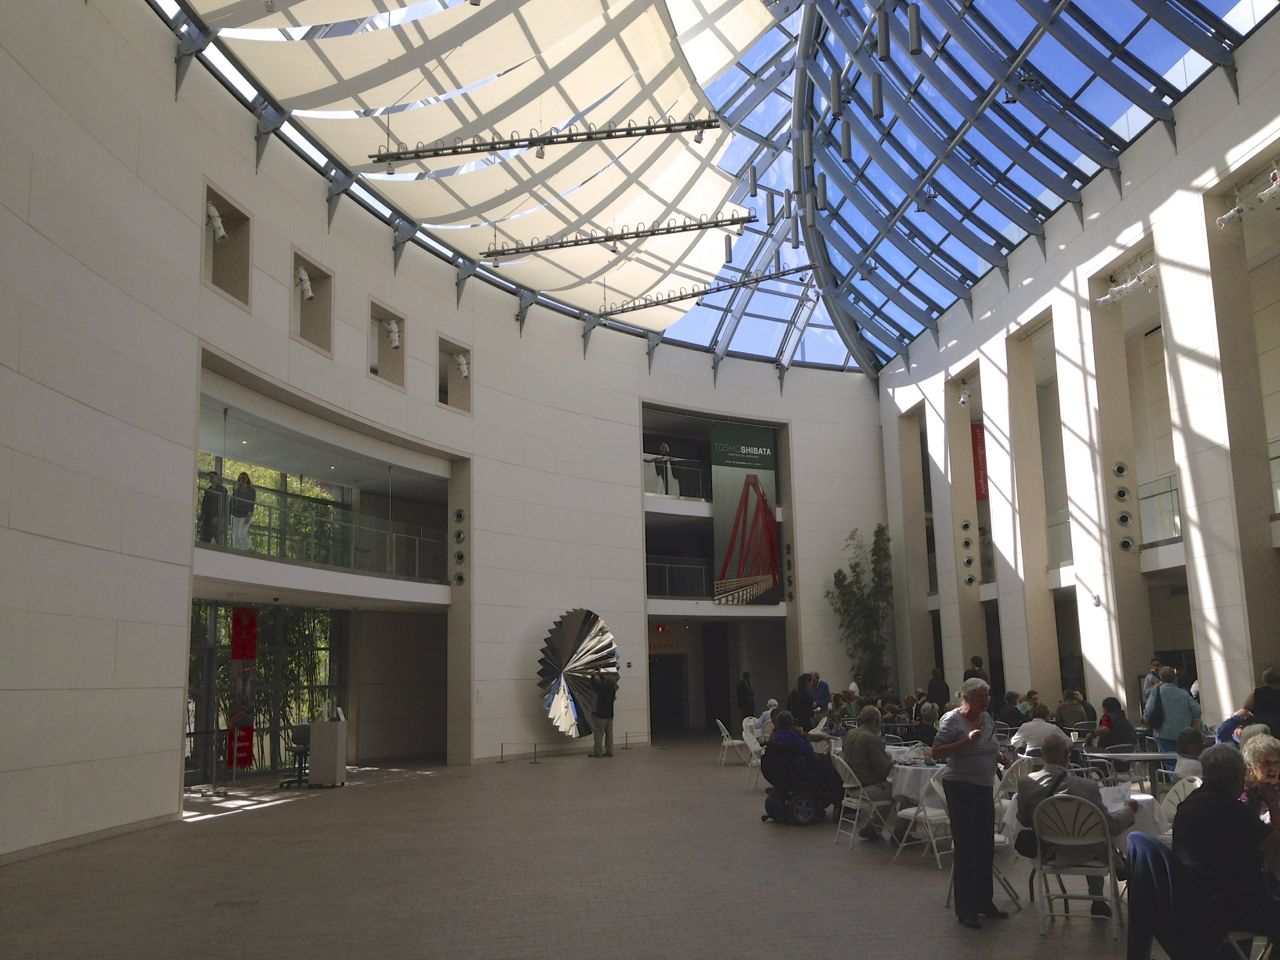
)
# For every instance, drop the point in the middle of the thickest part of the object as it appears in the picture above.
(964, 631)
(1015, 481)
(904, 484)
(1220, 446)
(1097, 434)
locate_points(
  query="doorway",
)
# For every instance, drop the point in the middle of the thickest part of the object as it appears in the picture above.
(668, 682)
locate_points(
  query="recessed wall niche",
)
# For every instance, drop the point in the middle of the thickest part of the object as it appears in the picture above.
(453, 369)
(311, 304)
(226, 246)
(386, 344)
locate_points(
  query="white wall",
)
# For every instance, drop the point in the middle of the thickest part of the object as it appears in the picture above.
(103, 320)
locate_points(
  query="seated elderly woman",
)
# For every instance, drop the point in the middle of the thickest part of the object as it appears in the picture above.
(926, 727)
(1221, 844)
(1262, 771)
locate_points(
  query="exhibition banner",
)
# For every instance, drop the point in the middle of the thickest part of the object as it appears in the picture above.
(979, 443)
(744, 484)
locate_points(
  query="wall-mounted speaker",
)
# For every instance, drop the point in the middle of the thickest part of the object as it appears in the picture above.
(1120, 468)
(459, 536)
(965, 525)
(1124, 518)
(1122, 494)
(459, 515)
(1126, 543)
(969, 581)
(968, 561)
(459, 578)
(966, 543)
(459, 556)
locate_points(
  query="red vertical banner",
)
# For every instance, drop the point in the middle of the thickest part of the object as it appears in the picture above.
(979, 435)
(244, 659)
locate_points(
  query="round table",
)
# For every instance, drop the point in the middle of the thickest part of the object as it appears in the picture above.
(910, 779)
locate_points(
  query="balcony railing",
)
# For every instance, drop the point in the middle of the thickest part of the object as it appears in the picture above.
(1160, 510)
(298, 529)
(676, 477)
(678, 577)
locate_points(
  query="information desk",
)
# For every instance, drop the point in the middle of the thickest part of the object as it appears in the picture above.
(328, 761)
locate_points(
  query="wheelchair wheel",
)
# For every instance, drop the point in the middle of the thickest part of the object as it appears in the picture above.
(804, 809)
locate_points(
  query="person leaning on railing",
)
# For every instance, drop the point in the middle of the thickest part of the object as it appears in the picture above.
(213, 511)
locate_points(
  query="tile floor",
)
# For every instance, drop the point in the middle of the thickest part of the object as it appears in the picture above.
(655, 853)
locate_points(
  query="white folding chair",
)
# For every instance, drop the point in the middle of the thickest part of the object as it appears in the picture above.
(855, 801)
(1063, 822)
(820, 726)
(727, 743)
(1007, 786)
(749, 729)
(928, 821)
(1002, 845)
(1177, 793)
(893, 738)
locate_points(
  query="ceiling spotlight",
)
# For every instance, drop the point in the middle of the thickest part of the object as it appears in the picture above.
(464, 366)
(697, 137)
(393, 332)
(214, 219)
(1231, 216)
(541, 152)
(1272, 192)
(304, 281)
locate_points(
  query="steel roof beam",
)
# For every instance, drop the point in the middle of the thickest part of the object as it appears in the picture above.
(1003, 74)
(934, 145)
(1102, 68)
(1172, 18)
(920, 315)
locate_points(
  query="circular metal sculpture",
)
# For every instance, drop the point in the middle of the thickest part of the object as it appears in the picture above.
(578, 644)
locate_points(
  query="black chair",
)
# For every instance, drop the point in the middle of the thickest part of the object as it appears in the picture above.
(301, 750)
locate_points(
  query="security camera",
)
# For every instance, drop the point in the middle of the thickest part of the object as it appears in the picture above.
(304, 281)
(1231, 216)
(1272, 192)
(464, 367)
(393, 332)
(214, 219)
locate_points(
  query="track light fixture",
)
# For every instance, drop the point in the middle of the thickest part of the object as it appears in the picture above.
(214, 219)
(1272, 191)
(1248, 198)
(573, 133)
(747, 279)
(1231, 216)
(610, 238)
(304, 282)
(1145, 279)
(541, 152)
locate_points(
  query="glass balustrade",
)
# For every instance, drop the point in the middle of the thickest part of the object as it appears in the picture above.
(676, 477)
(300, 529)
(1160, 510)
(1058, 525)
(1273, 451)
(678, 577)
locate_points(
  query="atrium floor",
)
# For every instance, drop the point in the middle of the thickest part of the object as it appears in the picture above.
(655, 853)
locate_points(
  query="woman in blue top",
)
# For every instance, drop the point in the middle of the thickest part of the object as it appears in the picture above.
(1179, 709)
(966, 740)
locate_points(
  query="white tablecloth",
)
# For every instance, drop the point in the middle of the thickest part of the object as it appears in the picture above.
(910, 780)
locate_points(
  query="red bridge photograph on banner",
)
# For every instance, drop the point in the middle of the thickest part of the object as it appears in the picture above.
(750, 566)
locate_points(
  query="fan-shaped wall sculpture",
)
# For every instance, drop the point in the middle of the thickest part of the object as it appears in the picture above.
(578, 644)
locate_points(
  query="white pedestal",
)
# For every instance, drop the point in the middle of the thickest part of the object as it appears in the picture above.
(328, 762)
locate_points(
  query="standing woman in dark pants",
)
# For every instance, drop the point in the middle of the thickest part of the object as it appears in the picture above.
(966, 740)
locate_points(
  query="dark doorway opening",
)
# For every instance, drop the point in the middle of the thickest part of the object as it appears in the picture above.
(668, 680)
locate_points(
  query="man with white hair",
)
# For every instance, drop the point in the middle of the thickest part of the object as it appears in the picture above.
(765, 717)
(1056, 752)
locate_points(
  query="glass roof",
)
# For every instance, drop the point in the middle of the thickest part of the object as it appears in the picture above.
(891, 152)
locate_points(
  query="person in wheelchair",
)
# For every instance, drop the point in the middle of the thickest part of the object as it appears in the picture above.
(789, 761)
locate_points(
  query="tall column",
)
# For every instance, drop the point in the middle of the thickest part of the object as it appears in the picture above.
(1097, 433)
(1019, 535)
(1220, 446)
(964, 630)
(904, 484)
